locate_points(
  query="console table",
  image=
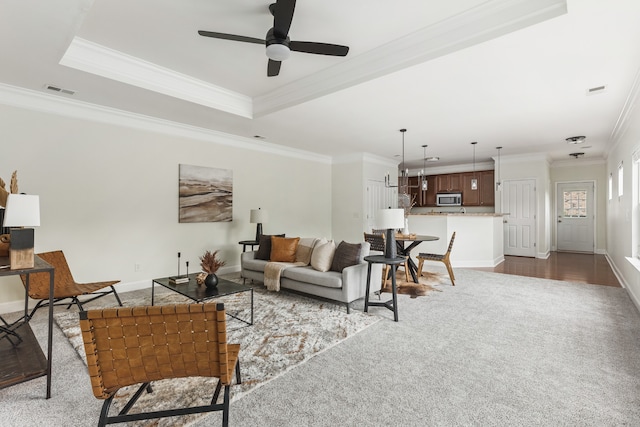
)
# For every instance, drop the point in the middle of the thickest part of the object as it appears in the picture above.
(393, 303)
(25, 360)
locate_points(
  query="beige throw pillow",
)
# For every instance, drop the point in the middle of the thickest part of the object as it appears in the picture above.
(322, 256)
(305, 247)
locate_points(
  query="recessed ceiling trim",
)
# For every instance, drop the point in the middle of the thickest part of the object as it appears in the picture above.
(490, 20)
(93, 58)
(66, 107)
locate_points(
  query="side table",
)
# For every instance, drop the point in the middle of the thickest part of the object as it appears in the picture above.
(393, 303)
(246, 243)
(25, 360)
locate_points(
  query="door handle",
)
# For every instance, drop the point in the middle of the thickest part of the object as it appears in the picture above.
(559, 220)
(504, 221)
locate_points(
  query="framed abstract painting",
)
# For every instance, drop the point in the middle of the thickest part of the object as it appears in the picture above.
(205, 194)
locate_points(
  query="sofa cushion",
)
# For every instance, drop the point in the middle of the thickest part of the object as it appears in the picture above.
(322, 256)
(329, 279)
(264, 250)
(346, 255)
(254, 264)
(283, 249)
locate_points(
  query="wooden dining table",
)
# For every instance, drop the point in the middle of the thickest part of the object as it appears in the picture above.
(414, 240)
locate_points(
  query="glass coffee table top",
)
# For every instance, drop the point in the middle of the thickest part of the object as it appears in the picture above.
(200, 293)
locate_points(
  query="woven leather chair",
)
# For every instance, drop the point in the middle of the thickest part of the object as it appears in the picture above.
(444, 258)
(64, 286)
(377, 242)
(138, 345)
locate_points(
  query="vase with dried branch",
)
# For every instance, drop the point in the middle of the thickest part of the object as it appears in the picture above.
(210, 263)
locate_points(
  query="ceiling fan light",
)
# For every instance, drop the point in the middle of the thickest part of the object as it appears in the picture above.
(278, 52)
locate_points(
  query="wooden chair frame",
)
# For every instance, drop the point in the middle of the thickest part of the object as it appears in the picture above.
(138, 345)
(444, 258)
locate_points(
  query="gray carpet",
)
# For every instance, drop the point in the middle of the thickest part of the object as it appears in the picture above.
(494, 350)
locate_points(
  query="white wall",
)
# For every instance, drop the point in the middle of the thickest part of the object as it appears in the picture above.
(109, 193)
(619, 210)
(583, 170)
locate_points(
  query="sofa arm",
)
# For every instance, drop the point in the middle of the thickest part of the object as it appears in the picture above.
(354, 280)
(247, 255)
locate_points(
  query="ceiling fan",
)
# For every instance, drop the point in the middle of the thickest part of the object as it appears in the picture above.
(277, 42)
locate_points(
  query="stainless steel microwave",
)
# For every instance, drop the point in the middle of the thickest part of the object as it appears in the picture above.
(449, 199)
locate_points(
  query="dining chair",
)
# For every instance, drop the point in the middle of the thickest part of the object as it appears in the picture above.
(138, 345)
(377, 242)
(444, 258)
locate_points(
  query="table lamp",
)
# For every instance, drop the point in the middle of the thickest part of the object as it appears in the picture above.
(258, 216)
(22, 210)
(390, 220)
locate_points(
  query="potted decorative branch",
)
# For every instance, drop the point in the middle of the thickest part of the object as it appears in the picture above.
(210, 264)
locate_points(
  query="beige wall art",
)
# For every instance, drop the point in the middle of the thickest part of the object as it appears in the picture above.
(206, 194)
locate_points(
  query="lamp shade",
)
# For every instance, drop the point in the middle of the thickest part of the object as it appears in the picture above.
(22, 210)
(258, 216)
(390, 218)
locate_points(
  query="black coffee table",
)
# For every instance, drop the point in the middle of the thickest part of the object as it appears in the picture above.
(201, 294)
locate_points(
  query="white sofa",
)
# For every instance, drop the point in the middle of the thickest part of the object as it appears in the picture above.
(346, 286)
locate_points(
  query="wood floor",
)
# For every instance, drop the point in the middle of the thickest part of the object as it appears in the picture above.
(580, 268)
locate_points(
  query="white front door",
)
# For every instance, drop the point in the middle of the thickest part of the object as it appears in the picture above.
(575, 217)
(519, 204)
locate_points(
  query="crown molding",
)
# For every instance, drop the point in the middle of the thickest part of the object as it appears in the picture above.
(578, 162)
(100, 60)
(622, 124)
(485, 22)
(53, 104)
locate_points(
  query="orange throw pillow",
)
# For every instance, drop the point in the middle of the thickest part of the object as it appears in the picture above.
(283, 249)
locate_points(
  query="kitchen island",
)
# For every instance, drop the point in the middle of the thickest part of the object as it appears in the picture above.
(479, 236)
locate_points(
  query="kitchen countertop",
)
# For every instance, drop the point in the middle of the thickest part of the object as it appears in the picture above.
(461, 214)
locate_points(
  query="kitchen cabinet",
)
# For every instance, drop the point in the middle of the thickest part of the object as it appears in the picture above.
(483, 195)
(449, 183)
(423, 198)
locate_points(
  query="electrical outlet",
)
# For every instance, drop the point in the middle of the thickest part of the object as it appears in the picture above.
(137, 267)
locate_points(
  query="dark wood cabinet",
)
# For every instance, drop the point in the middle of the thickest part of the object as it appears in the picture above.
(455, 182)
(483, 195)
(449, 183)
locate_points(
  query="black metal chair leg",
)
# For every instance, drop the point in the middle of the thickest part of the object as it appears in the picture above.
(115, 294)
(238, 378)
(105, 412)
(225, 411)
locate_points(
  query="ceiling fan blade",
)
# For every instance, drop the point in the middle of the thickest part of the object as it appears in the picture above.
(273, 68)
(231, 37)
(282, 17)
(319, 48)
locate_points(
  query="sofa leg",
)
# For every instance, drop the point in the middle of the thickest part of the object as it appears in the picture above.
(348, 308)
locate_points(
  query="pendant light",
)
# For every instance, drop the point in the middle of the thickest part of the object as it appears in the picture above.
(498, 182)
(424, 184)
(403, 178)
(474, 180)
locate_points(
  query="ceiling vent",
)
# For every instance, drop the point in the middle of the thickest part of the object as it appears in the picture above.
(58, 89)
(596, 90)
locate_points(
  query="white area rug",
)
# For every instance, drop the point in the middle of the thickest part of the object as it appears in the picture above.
(288, 330)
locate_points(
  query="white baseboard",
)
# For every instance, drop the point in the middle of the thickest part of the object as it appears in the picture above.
(18, 305)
